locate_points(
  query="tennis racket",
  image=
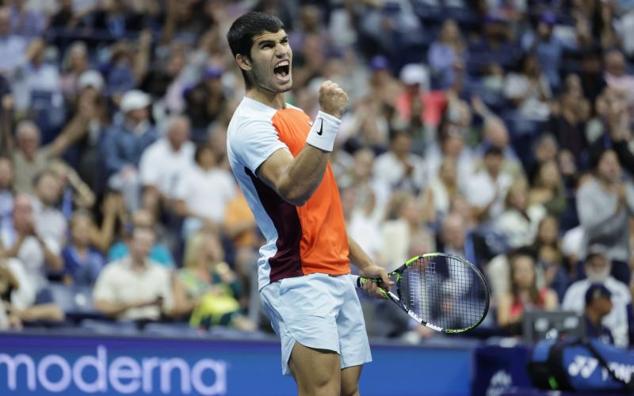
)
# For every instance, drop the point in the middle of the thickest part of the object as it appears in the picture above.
(443, 292)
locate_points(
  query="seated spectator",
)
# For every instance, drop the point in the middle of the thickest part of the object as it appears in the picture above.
(213, 290)
(598, 300)
(164, 163)
(202, 193)
(597, 267)
(399, 168)
(447, 54)
(82, 262)
(22, 240)
(444, 186)
(605, 204)
(49, 220)
(6, 191)
(519, 221)
(18, 298)
(134, 287)
(74, 65)
(523, 294)
(548, 189)
(159, 253)
(529, 90)
(13, 45)
(557, 275)
(124, 144)
(457, 238)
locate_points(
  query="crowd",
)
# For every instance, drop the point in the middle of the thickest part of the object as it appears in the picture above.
(500, 131)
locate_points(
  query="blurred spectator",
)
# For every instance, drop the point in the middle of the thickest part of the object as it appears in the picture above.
(524, 294)
(29, 158)
(444, 187)
(519, 221)
(82, 262)
(49, 220)
(548, 48)
(25, 21)
(550, 258)
(548, 189)
(135, 287)
(124, 144)
(164, 162)
(605, 203)
(158, 252)
(74, 65)
(213, 289)
(487, 188)
(23, 241)
(456, 238)
(203, 192)
(7, 192)
(206, 101)
(597, 267)
(399, 168)
(529, 90)
(598, 304)
(12, 46)
(446, 54)
(617, 76)
(418, 105)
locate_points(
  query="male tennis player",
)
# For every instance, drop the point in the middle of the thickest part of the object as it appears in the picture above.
(281, 163)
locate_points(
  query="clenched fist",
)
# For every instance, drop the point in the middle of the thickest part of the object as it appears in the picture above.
(332, 99)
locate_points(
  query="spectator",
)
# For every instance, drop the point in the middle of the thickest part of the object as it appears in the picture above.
(486, 189)
(529, 90)
(12, 46)
(597, 267)
(605, 203)
(49, 220)
(7, 192)
(446, 54)
(134, 287)
(158, 252)
(82, 262)
(203, 193)
(25, 21)
(164, 162)
(418, 105)
(213, 289)
(29, 158)
(519, 221)
(206, 101)
(598, 305)
(548, 189)
(444, 187)
(456, 237)
(523, 294)
(74, 65)
(399, 168)
(24, 242)
(124, 144)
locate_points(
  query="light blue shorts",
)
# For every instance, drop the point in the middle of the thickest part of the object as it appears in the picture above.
(318, 311)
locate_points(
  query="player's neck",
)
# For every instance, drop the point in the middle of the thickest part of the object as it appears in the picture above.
(271, 99)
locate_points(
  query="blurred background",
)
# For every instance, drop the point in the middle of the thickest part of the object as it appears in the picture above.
(500, 131)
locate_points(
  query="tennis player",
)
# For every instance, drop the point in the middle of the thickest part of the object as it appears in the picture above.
(280, 159)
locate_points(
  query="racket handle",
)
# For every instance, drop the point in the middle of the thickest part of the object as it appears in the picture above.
(361, 281)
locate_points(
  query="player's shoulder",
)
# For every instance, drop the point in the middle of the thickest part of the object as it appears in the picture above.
(251, 111)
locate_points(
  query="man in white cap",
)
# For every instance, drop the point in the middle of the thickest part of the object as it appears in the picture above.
(124, 144)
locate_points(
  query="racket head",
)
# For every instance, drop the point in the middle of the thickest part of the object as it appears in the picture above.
(444, 292)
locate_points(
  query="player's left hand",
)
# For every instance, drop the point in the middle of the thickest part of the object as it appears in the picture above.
(375, 271)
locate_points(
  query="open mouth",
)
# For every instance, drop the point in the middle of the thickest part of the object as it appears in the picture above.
(282, 70)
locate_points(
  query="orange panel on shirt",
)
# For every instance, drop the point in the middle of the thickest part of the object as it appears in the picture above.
(324, 242)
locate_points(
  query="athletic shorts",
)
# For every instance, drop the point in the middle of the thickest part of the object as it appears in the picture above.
(319, 311)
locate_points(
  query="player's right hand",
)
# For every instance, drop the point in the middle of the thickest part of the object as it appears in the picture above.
(332, 99)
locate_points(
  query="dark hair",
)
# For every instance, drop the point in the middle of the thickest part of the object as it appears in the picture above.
(242, 30)
(200, 149)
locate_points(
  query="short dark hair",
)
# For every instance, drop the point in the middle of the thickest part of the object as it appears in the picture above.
(242, 30)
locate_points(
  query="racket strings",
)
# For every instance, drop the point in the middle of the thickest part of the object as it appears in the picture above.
(444, 292)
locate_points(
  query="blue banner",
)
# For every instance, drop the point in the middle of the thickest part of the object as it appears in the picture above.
(74, 365)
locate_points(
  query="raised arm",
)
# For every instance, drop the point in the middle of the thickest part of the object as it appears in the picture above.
(295, 179)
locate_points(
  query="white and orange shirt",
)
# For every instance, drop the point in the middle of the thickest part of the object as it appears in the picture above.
(300, 240)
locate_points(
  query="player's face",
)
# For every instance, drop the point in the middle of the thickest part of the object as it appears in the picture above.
(272, 58)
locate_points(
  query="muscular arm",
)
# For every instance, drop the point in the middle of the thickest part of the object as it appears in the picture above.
(294, 179)
(358, 256)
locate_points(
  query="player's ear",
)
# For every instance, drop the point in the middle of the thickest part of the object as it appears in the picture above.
(243, 62)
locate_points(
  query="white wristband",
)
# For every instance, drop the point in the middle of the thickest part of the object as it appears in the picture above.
(324, 131)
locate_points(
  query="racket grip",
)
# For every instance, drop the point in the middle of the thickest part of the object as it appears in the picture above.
(361, 281)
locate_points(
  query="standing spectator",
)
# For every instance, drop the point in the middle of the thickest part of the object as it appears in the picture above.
(605, 203)
(82, 262)
(134, 287)
(202, 194)
(598, 301)
(597, 266)
(165, 162)
(124, 144)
